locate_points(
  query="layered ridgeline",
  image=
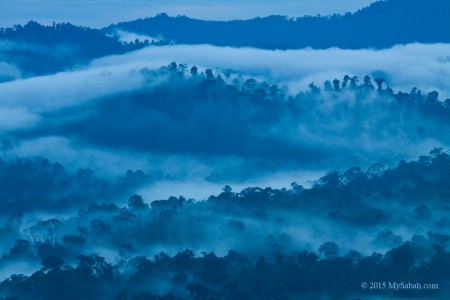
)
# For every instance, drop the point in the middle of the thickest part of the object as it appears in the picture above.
(35, 49)
(224, 128)
(259, 243)
(74, 234)
(381, 25)
(75, 224)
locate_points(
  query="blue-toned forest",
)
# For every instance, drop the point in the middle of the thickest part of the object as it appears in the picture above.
(271, 158)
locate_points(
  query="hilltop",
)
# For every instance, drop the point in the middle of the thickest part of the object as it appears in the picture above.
(380, 25)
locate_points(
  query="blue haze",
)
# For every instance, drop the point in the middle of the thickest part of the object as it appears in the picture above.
(263, 163)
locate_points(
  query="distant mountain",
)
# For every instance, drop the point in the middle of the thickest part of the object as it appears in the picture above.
(382, 24)
(37, 49)
(34, 49)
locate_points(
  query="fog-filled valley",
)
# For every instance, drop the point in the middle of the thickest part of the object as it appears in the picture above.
(138, 162)
(347, 218)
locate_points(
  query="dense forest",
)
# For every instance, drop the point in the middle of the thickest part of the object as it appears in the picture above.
(256, 233)
(37, 49)
(258, 121)
(42, 49)
(256, 161)
(103, 241)
(382, 24)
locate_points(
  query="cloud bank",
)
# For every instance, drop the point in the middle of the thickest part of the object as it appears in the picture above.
(426, 67)
(121, 113)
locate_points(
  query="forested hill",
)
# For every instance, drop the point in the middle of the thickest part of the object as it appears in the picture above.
(37, 49)
(382, 24)
(106, 251)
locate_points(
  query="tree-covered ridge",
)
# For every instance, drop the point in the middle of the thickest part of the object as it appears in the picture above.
(297, 275)
(91, 42)
(31, 184)
(201, 112)
(182, 110)
(37, 49)
(86, 231)
(34, 49)
(269, 260)
(381, 25)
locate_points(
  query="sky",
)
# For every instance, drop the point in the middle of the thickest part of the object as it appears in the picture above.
(100, 13)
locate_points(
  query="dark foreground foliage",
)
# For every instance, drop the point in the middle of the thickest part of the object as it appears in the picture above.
(297, 275)
(372, 200)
